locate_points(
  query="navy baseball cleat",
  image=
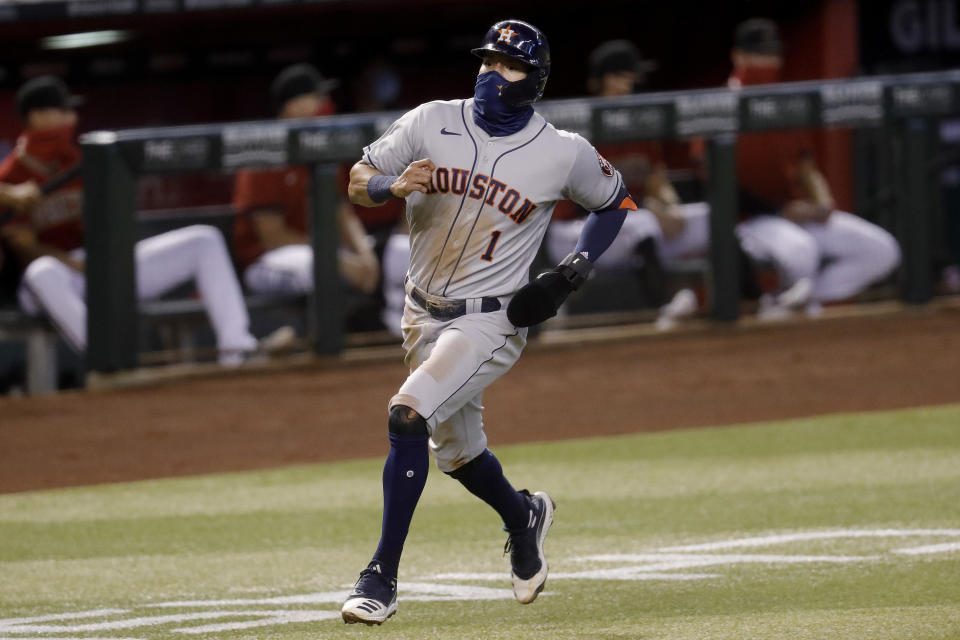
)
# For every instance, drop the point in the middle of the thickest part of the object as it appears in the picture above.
(527, 562)
(373, 599)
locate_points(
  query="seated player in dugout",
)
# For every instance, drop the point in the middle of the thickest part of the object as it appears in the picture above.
(664, 229)
(271, 236)
(788, 214)
(46, 235)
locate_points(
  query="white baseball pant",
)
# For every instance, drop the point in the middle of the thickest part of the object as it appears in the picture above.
(793, 251)
(163, 262)
(858, 253)
(286, 269)
(396, 261)
(638, 225)
(855, 253)
(451, 363)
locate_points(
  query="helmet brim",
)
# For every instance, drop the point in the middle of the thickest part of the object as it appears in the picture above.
(510, 52)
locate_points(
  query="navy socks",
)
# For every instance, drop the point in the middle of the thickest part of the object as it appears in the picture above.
(404, 476)
(483, 477)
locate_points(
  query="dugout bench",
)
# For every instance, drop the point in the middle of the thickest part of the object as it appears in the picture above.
(40, 345)
(897, 111)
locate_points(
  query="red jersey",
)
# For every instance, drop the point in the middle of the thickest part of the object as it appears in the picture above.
(767, 160)
(39, 156)
(283, 190)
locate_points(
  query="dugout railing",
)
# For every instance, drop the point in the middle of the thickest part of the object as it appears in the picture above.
(898, 112)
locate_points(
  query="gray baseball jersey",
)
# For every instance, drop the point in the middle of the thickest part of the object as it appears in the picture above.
(478, 229)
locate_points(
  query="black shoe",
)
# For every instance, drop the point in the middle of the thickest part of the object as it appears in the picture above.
(373, 599)
(527, 562)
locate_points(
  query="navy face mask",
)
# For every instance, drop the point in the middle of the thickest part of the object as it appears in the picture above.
(491, 113)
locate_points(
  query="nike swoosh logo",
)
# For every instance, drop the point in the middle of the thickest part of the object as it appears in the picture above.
(448, 133)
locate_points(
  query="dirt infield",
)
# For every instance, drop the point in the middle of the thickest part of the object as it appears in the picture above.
(718, 376)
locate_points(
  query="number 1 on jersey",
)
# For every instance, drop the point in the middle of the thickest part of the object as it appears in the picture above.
(488, 254)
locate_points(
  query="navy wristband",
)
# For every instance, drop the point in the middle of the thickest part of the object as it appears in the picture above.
(378, 187)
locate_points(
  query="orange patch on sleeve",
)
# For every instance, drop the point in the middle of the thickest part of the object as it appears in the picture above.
(628, 203)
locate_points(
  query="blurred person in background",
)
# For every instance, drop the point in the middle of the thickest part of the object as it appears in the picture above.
(664, 229)
(396, 262)
(271, 237)
(791, 216)
(377, 88)
(45, 237)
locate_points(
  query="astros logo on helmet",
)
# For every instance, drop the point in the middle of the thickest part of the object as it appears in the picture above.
(505, 34)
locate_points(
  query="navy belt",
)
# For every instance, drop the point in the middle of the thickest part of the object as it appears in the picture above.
(451, 308)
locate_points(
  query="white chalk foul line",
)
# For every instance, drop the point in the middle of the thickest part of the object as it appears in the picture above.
(253, 618)
(661, 565)
(281, 617)
(421, 591)
(931, 548)
(428, 591)
(6, 623)
(783, 538)
(695, 559)
(131, 623)
(321, 597)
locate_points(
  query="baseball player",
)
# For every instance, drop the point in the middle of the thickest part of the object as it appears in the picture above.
(664, 229)
(823, 253)
(396, 260)
(480, 178)
(47, 234)
(270, 235)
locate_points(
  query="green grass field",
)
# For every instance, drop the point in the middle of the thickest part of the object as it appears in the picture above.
(843, 527)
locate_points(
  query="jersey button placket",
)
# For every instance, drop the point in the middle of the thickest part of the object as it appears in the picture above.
(485, 155)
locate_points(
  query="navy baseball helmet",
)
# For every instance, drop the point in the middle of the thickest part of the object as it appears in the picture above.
(522, 41)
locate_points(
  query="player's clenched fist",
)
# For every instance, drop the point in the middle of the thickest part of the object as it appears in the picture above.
(370, 188)
(416, 177)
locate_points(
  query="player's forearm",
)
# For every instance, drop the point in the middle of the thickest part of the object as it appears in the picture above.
(23, 243)
(359, 188)
(353, 236)
(668, 216)
(802, 211)
(283, 239)
(358, 263)
(18, 196)
(362, 271)
(272, 230)
(6, 196)
(61, 255)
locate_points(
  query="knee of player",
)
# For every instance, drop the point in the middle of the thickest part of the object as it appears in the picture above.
(41, 269)
(404, 421)
(878, 253)
(205, 234)
(803, 255)
(888, 253)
